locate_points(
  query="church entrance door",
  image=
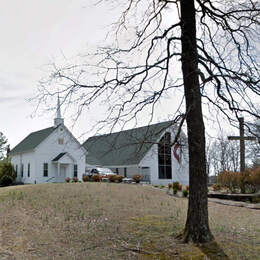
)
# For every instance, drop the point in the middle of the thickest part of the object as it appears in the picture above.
(63, 171)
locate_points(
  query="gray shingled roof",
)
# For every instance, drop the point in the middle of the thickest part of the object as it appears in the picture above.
(92, 160)
(32, 140)
(125, 147)
(58, 157)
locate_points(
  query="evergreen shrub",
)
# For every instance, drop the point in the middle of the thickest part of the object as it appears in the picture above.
(176, 185)
(7, 173)
(6, 180)
(185, 193)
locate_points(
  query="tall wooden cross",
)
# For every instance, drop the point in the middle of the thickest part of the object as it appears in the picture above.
(242, 139)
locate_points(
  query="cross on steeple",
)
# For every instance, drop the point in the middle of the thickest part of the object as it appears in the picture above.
(58, 120)
(242, 138)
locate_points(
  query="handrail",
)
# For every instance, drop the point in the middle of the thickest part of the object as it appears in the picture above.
(50, 179)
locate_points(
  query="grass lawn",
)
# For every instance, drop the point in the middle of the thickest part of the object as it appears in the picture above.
(115, 221)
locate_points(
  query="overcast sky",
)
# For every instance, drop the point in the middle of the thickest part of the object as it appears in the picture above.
(34, 34)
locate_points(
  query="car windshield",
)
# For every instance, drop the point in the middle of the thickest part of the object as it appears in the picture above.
(104, 170)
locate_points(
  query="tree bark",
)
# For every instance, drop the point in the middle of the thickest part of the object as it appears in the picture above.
(197, 226)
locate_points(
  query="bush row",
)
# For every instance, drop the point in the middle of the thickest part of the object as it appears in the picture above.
(246, 182)
(111, 178)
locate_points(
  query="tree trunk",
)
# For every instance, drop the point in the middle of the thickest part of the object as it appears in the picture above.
(197, 226)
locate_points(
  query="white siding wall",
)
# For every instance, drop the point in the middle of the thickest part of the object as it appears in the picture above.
(180, 171)
(24, 159)
(50, 148)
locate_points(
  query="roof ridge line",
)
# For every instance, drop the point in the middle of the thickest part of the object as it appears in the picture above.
(131, 129)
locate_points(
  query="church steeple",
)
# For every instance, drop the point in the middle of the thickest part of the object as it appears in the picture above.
(58, 120)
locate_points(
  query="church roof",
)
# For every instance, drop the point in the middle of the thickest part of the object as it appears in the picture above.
(126, 147)
(58, 157)
(32, 140)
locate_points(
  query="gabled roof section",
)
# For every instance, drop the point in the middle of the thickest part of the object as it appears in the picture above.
(32, 140)
(58, 157)
(92, 160)
(125, 147)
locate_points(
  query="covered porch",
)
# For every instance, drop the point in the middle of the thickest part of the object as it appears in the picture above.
(63, 165)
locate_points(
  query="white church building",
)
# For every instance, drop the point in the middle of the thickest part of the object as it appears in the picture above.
(52, 154)
(49, 155)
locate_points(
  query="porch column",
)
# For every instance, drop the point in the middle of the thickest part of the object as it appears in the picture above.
(58, 169)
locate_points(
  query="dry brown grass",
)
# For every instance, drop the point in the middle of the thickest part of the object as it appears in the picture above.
(115, 221)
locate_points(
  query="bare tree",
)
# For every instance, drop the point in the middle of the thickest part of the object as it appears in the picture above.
(212, 43)
(254, 147)
(3, 145)
(223, 155)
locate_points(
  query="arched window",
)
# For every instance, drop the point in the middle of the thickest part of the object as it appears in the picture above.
(164, 157)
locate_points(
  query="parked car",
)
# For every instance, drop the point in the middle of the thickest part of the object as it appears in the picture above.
(100, 171)
(105, 171)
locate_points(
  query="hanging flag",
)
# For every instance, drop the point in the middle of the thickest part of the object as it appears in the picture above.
(176, 152)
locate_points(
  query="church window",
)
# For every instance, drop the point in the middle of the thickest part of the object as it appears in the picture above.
(16, 169)
(164, 157)
(28, 170)
(60, 141)
(21, 170)
(75, 170)
(45, 170)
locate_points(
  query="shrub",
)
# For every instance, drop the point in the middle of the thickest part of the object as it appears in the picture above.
(216, 187)
(244, 180)
(96, 178)
(248, 181)
(175, 191)
(112, 178)
(6, 180)
(175, 185)
(6, 171)
(229, 180)
(119, 178)
(85, 178)
(185, 193)
(251, 180)
(255, 179)
(137, 178)
(115, 178)
(75, 179)
(67, 179)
